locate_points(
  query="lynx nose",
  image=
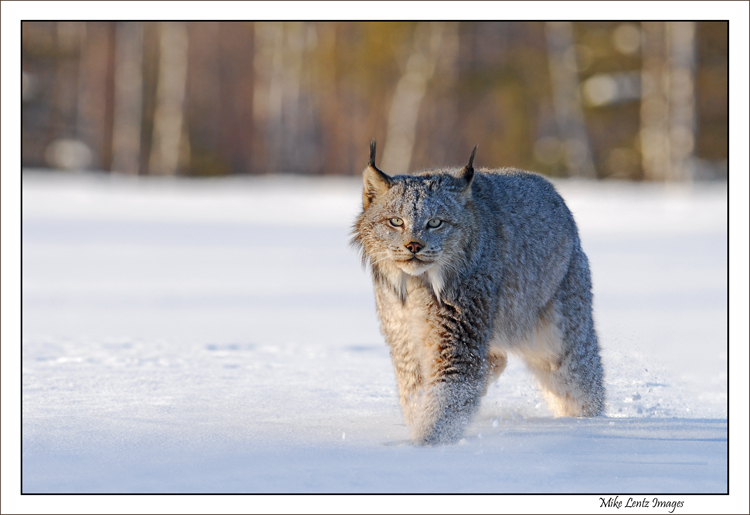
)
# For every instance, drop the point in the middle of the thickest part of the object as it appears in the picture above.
(414, 247)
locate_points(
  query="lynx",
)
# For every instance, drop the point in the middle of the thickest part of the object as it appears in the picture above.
(467, 267)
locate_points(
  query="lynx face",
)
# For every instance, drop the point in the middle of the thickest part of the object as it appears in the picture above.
(414, 225)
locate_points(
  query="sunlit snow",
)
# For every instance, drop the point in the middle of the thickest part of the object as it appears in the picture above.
(221, 336)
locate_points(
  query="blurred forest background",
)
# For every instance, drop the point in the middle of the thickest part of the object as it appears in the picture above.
(626, 100)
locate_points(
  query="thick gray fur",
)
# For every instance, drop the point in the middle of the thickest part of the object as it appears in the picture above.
(503, 272)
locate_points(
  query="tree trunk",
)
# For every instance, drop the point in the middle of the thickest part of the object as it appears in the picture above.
(571, 124)
(126, 138)
(410, 90)
(654, 135)
(170, 97)
(681, 98)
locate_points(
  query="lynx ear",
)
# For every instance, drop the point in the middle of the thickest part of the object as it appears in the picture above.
(375, 181)
(467, 173)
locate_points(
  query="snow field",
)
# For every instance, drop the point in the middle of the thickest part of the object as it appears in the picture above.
(221, 336)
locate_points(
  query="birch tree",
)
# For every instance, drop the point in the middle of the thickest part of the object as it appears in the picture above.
(126, 137)
(170, 98)
(407, 98)
(571, 123)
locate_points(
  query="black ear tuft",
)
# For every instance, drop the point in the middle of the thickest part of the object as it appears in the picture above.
(470, 164)
(372, 153)
(467, 174)
(375, 181)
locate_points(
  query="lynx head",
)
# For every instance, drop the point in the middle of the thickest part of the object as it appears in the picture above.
(415, 225)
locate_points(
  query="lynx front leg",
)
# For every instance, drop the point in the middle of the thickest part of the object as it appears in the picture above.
(409, 379)
(453, 385)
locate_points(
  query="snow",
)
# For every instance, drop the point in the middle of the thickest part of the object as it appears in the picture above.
(221, 336)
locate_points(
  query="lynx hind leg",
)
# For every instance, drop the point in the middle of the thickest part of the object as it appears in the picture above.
(497, 360)
(564, 356)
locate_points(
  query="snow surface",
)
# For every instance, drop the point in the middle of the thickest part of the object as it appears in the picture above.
(221, 336)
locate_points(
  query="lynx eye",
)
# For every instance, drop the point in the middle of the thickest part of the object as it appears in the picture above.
(434, 223)
(396, 222)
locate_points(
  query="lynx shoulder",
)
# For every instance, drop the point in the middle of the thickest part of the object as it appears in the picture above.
(467, 267)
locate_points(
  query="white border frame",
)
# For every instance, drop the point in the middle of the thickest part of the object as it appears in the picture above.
(13, 12)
